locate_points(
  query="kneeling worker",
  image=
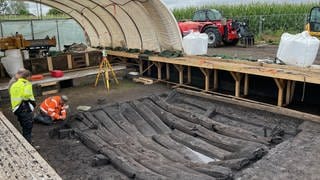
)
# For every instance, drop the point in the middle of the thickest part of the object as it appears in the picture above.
(54, 107)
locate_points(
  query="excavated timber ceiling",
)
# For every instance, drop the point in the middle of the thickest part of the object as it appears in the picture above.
(142, 24)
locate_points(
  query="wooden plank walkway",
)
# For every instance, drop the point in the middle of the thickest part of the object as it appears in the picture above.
(284, 76)
(18, 159)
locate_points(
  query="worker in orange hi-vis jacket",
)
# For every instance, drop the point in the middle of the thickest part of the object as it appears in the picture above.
(55, 107)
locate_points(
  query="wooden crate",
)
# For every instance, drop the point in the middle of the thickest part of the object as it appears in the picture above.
(49, 88)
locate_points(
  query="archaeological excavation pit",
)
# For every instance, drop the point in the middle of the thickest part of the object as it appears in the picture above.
(181, 135)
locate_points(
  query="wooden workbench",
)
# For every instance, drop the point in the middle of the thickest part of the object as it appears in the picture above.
(284, 76)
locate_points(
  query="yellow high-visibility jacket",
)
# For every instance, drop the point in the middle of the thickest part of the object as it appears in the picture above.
(20, 91)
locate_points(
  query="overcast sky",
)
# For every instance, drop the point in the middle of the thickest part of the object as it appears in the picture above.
(187, 3)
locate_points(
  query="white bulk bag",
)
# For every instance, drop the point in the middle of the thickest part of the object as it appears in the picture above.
(298, 50)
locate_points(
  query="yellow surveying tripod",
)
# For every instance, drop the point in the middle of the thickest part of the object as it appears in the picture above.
(104, 69)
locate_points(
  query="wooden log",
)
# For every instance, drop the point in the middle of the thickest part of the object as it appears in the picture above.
(210, 111)
(88, 140)
(151, 118)
(210, 123)
(92, 119)
(253, 152)
(145, 142)
(151, 158)
(170, 120)
(234, 164)
(125, 164)
(259, 117)
(218, 172)
(133, 117)
(129, 166)
(224, 142)
(199, 145)
(167, 142)
(106, 122)
(88, 124)
(161, 167)
(165, 152)
(221, 115)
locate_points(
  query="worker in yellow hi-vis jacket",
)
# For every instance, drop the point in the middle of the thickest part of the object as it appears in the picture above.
(23, 103)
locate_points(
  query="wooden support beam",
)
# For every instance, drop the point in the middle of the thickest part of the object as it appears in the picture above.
(215, 80)
(237, 77)
(159, 67)
(189, 75)
(246, 84)
(280, 84)
(69, 59)
(50, 65)
(140, 62)
(206, 73)
(180, 70)
(148, 68)
(288, 93)
(167, 71)
(87, 59)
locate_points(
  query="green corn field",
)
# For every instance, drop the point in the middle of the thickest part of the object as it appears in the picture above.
(262, 18)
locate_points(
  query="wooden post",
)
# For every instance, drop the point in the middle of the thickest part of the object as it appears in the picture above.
(87, 59)
(237, 78)
(206, 74)
(288, 93)
(246, 84)
(69, 59)
(280, 84)
(140, 67)
(215, 80)
(159, 66)
(50, 65)
(168, 71)
(189, 75)
(180, 70)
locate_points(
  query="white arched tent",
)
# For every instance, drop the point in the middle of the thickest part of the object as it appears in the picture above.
(141, 24)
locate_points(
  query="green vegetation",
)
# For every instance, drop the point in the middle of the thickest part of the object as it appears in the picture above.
(29, 17)
(265, 20)
(55, 12)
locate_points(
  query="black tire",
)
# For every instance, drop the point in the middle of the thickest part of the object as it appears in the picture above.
(214, 37)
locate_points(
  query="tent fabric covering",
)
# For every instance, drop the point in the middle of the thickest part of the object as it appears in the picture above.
(136, 24)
